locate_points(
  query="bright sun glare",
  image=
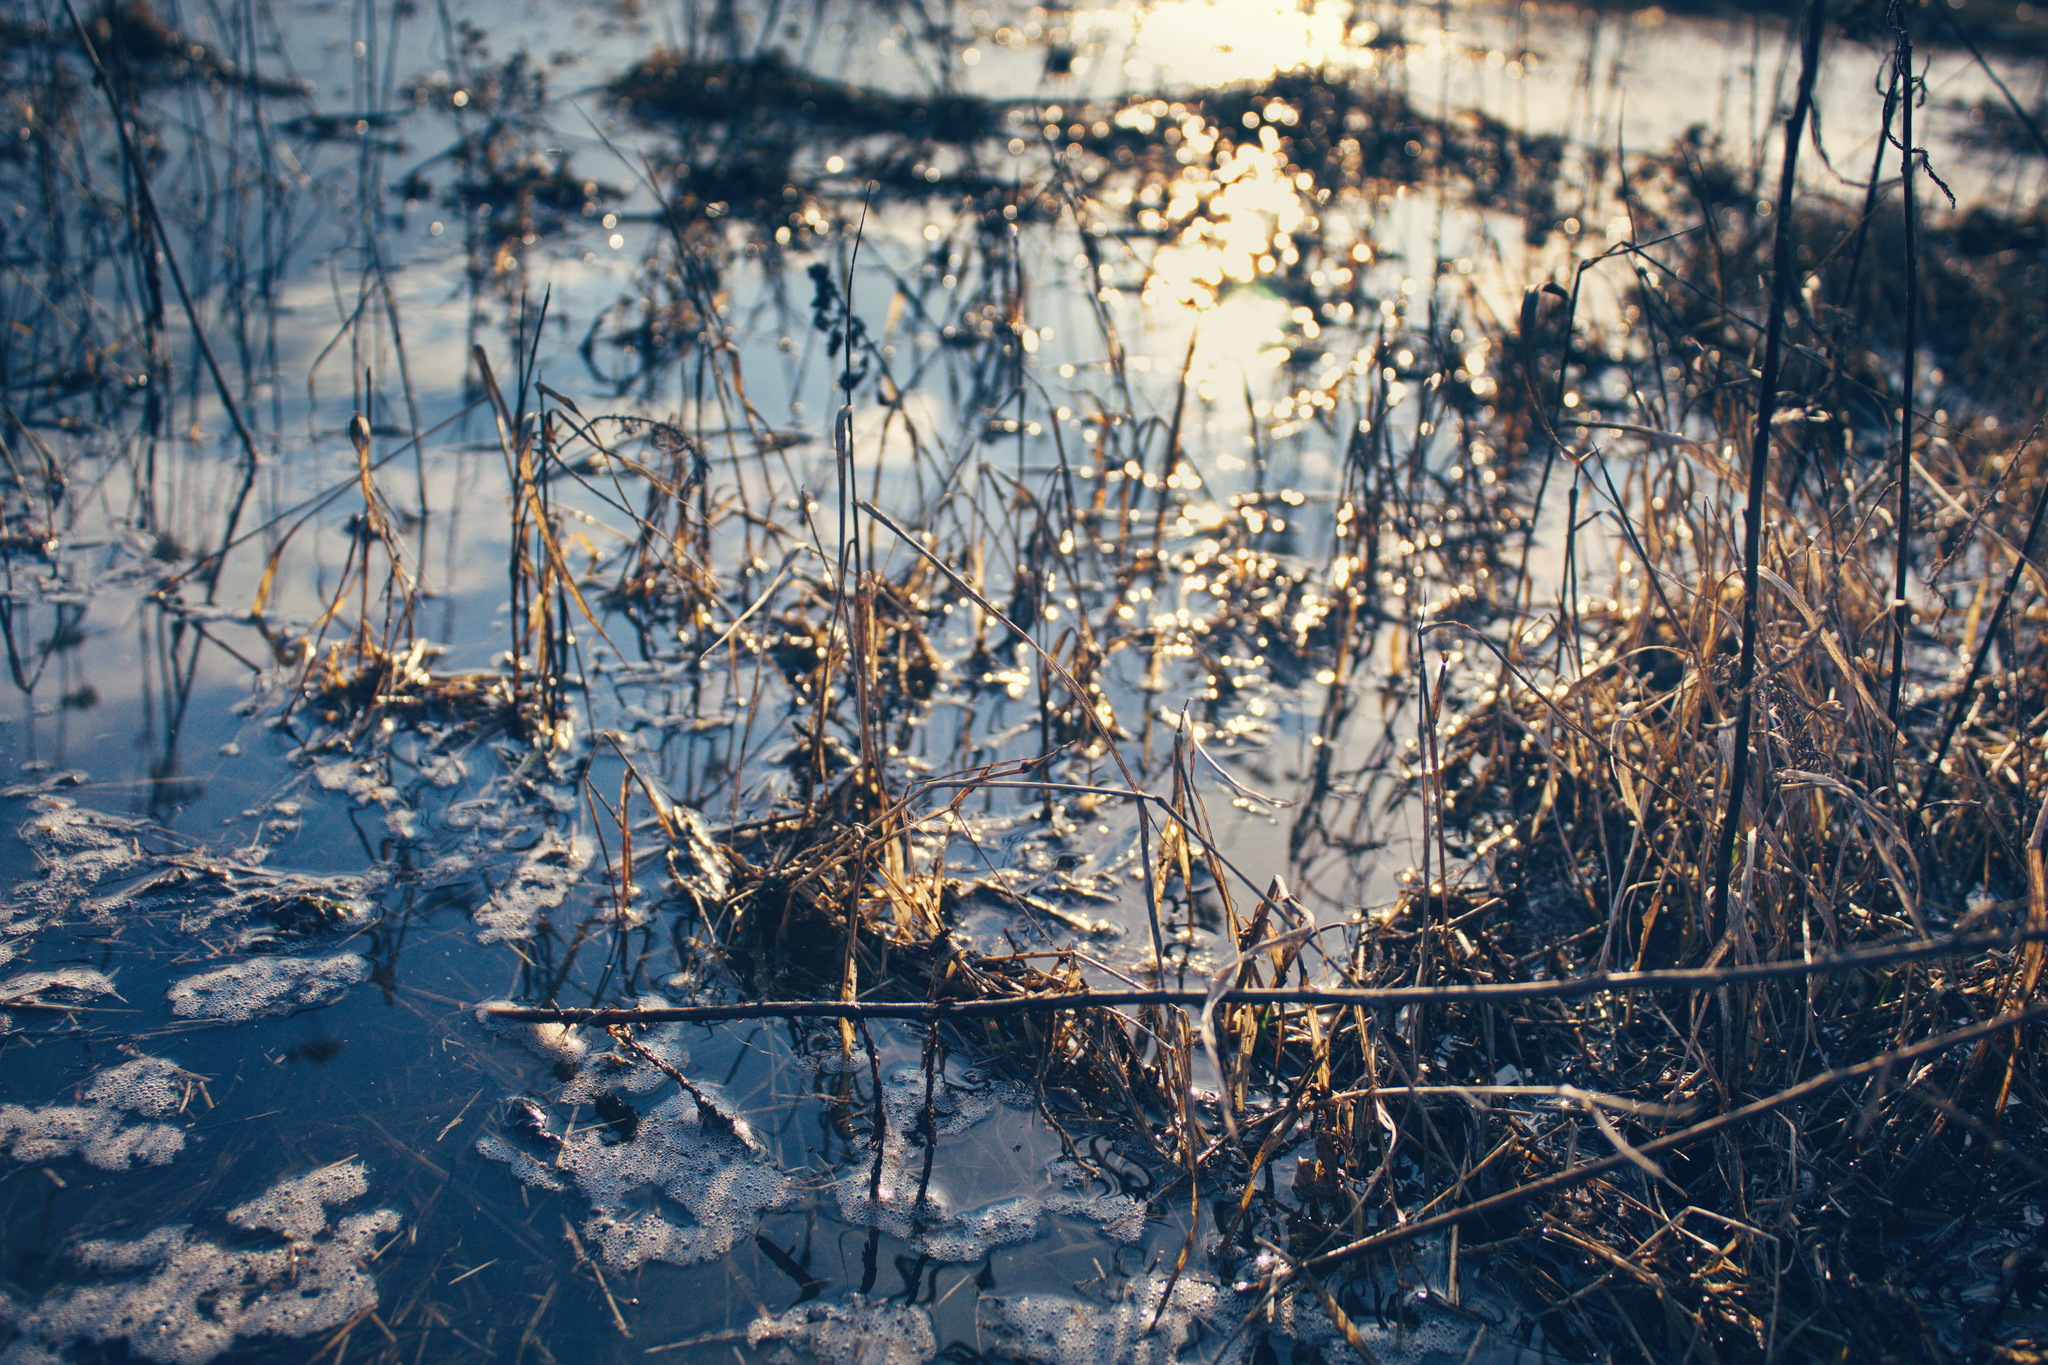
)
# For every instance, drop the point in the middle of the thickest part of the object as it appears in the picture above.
(1212, 42)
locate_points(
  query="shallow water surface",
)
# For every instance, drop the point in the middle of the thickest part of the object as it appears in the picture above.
(469, 621)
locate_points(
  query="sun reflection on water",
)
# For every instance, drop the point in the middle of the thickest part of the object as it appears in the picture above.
(1237, 219)
(1214, 42)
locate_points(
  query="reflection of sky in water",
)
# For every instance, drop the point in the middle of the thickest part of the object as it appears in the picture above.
(1636, 79)
(1209, 241)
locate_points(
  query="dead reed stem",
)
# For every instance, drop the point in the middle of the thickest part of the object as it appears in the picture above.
(1782, 277)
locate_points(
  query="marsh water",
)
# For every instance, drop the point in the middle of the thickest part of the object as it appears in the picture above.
(1158, 265)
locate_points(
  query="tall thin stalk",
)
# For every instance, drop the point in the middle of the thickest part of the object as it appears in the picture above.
(1903, 557)
(138, 172)
(1783, 267)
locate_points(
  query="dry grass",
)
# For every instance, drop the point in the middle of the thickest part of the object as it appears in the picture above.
(1554, 636)
(1572, 759)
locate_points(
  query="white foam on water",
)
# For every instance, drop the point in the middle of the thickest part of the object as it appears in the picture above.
(288, 900)
(76, 848)
(528, 1168)
(541, 881)
(1122, 1218)
(443, 770)
(266, 985)
(98, 1131)
(100, 1137)
(674, 1164)
(1056, 1329)
(957, 1237)
(621, 1073)
(549, 1041)
(852, 1331)
(68, 984)
(1053, 1329)
(684, 1188)
(448, 867)
(361, 782)
(194, 1296)
(94, 867)
(956, 1105)
(891, 1203)
(1436, 1336)
(298, 1208)
(149, 1086)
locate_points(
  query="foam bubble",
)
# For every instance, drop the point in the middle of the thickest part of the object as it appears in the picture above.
(852, 1331)
(443, 770)
(529, 1169)
(266, 985)
(622, 1073)
(554, 1042)
(545, 875)
(1052, 1329)
(1122, 1218)
(84, 852)
(96, 1135)
(76, 848)
(194, 1297)
(360, 781)
(298, 1208)
(893, 1204)
(716, 1181)
(208, 891)
(670, 1184)
(149, 1086)
(69, 984)
(957, 1105)
(960, 1237)
(98, 1131)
